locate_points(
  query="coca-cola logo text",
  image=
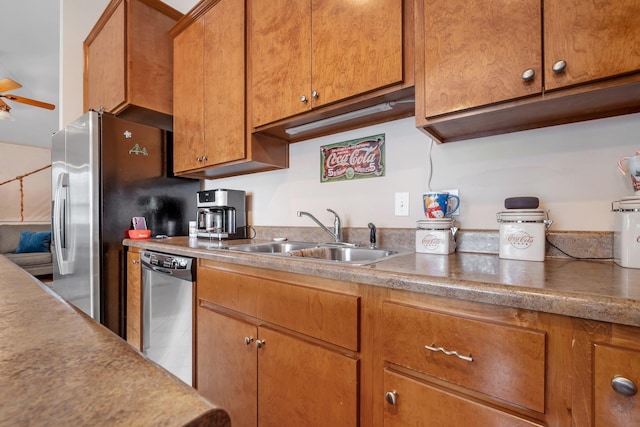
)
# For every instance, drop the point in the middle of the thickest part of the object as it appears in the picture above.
(431, 242)
(353, 159)
(520, 240)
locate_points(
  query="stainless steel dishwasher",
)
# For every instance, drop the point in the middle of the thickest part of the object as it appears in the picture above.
(167, 311)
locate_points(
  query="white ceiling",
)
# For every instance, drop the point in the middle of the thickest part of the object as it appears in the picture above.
(29, 54)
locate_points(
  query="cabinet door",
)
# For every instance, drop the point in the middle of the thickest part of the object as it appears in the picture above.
(106, 62)
(224, 84)
(134, 300)
(226, 365)
(595, 39)
(280, 59)
(301, 384)
(476, 52)
(356, 48)
(412, 403)
(188, 106)
(612, 408)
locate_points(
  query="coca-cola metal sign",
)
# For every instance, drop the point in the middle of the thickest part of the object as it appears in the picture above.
(355, 159)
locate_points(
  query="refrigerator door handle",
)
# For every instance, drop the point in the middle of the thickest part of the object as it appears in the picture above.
(60, 212)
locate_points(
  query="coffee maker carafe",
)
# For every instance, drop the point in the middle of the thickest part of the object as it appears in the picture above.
(222, 214)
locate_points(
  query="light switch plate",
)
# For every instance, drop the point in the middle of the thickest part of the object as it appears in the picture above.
(402, 204)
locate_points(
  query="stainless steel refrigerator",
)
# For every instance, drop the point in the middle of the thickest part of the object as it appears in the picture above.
(105, 171)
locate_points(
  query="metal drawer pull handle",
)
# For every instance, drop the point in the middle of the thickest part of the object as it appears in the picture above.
(559, 66)
(623, 386)
(449, 353)
(528, 74)
(391, 397)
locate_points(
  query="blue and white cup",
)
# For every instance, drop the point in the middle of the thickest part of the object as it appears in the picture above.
(440, 204)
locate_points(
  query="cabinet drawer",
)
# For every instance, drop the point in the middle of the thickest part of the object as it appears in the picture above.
(329, 316)
(438, 408)
(499, 360)
(610, 407)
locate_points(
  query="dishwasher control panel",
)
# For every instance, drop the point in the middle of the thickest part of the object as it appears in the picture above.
(174, 265)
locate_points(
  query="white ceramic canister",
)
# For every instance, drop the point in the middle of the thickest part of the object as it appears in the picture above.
(522, 234)
(626, 232)
(436, 236)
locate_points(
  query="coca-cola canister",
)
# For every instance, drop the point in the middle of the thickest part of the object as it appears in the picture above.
(436, 236)
(626, 232)
(522, 234)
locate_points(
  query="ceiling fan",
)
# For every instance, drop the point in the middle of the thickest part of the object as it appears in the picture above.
(8, 84)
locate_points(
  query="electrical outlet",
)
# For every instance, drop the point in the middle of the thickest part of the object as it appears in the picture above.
(402, 204)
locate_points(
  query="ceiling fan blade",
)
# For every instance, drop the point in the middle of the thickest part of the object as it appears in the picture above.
(8, 84)
(29, 101)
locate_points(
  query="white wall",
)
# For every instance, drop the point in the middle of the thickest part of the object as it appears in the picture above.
(35, 195)
(571, 168)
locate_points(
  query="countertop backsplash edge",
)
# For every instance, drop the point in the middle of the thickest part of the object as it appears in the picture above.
(588, 245)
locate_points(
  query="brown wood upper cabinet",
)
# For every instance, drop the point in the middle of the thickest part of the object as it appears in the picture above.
(129, 62)
(308, 54)
(210, 131)
(490, 67)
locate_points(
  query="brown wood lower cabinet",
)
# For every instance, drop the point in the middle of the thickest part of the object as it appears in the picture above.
(227, 370)
(134, 299)
(615, 386)
(266, 374)
(413, 403)
(283, 349)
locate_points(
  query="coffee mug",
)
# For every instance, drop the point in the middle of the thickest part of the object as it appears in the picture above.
(440, 204)
(633, 169)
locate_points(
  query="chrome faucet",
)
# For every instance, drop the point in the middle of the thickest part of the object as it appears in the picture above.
(337, 227)
(372, 236)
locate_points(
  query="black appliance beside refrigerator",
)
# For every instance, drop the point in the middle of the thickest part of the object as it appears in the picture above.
(106, 170)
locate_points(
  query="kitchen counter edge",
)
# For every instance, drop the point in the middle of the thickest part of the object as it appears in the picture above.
(591, 290)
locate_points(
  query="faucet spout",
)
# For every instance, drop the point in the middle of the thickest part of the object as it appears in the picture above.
(336, 234)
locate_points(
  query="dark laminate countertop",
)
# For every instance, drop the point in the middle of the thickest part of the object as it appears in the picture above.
(586, 289)
(59, 367)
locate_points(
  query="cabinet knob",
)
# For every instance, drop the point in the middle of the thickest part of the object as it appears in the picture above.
(205, 158)
(528, 74)
(623, 386)
(559, 66)
(303, 99)
(314, 94)
(391, 397)
(198, 159)
(260, 343)
(248, 340)
(134, 261)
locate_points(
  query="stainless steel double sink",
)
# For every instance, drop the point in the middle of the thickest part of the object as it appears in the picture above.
(342, 253)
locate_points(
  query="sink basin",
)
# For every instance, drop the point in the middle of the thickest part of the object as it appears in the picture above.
(351, 255)
(343, 254)
(273, 247)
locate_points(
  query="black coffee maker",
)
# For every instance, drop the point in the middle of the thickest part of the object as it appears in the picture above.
(222, 214)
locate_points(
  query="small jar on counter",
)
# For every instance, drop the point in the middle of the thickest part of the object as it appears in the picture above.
(436, 236)
(523, 234)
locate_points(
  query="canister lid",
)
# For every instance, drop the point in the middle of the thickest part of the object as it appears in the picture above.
(522, 215)
(435, 224)
(628, 204)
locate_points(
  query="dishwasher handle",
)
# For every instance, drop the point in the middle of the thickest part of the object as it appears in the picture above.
(159, 269)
